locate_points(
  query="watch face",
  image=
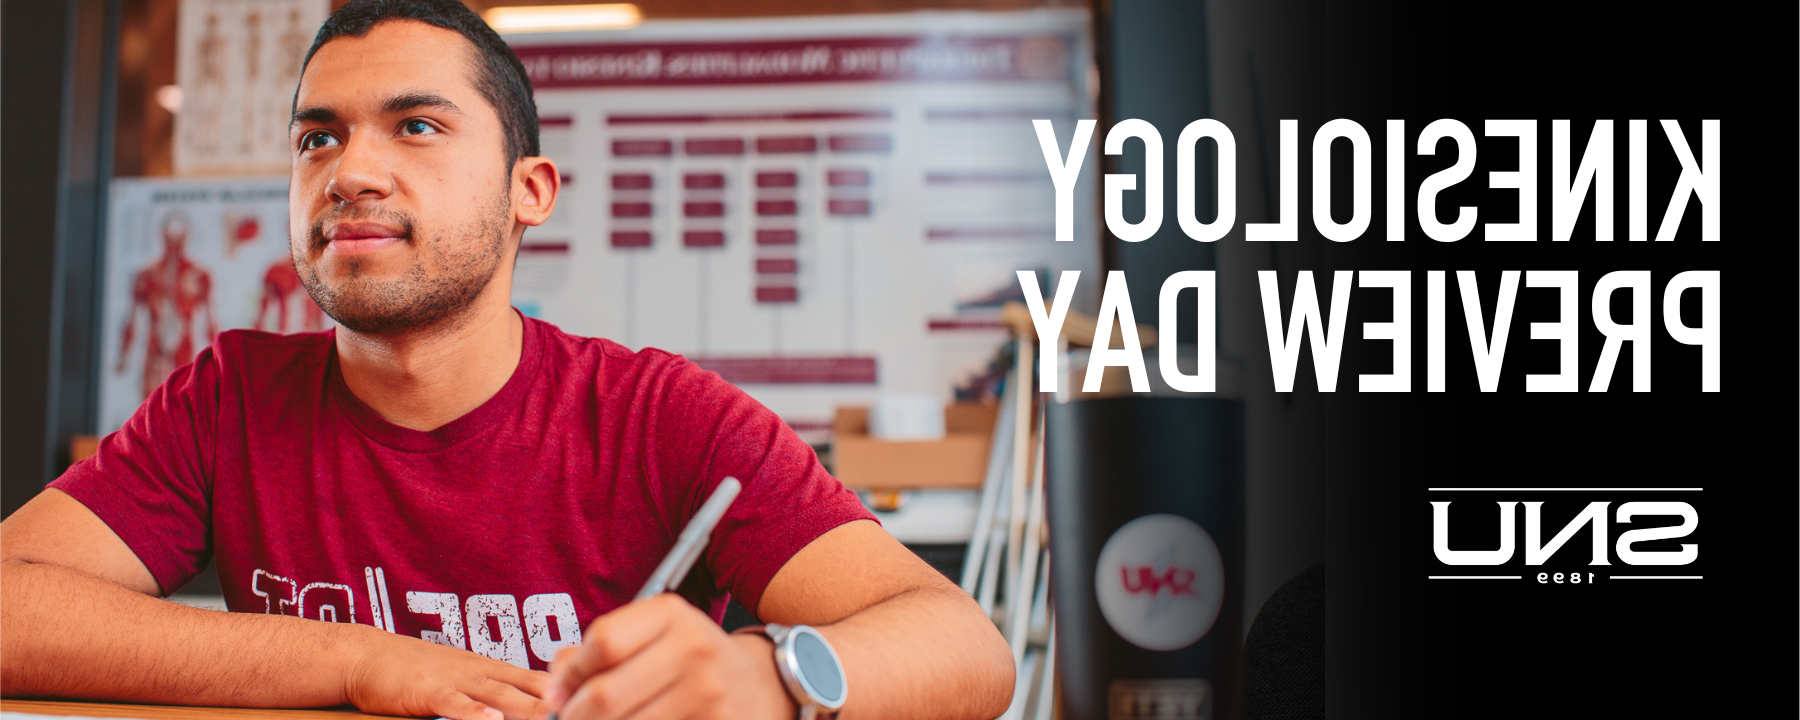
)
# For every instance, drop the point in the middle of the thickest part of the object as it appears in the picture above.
(819, 668)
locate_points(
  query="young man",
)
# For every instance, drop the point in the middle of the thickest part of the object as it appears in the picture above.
(466, 493)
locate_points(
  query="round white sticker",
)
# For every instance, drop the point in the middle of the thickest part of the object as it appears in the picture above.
(1160, 582)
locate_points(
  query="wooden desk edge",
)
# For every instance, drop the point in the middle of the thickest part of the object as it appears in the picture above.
(170, 712)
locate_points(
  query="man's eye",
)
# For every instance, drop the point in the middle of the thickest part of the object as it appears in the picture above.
(416, 127)
(316, 140)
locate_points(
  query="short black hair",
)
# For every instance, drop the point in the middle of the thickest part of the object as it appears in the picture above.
(499, 76)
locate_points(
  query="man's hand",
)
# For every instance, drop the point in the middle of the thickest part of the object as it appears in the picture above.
(663, 658)
(409, 676)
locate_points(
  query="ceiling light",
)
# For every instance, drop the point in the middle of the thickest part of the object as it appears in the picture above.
(169, 97)
(552, 18)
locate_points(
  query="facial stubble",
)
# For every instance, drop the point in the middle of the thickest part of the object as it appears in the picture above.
(450, 271)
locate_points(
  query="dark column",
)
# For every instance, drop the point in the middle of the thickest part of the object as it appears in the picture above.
(58, 78)
(1155, 69)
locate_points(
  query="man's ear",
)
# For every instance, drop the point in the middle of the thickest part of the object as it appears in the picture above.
(536, 183)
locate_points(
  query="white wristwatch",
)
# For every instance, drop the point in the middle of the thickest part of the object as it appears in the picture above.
(808, 667)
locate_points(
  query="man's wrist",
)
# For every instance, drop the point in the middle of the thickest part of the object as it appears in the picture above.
(359, 652)
(773, 695)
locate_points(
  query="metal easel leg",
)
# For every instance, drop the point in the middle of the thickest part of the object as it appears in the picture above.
(993, 484)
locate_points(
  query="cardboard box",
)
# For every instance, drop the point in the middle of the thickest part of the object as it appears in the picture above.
(82, 447)
(959, 460)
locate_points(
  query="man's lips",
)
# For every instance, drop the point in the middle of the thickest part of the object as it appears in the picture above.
(361, 237)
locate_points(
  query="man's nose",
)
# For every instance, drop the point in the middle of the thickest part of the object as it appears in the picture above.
(363, 172)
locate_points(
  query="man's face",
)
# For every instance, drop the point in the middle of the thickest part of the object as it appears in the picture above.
(400, 200)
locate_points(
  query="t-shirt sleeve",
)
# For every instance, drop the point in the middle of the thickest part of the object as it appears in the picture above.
(788, 500)
(151, 481)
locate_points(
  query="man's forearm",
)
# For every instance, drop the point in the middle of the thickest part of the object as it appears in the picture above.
(924, 652)
(71, 635)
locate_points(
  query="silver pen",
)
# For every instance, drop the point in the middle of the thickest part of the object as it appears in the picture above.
(688, 546)
(691, 542)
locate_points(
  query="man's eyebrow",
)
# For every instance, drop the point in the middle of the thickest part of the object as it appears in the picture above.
(409, 101)
(396, 104)
(319, 115)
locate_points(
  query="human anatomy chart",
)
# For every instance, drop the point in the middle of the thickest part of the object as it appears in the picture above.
(238, 62)
(820, 209)
(185, 261)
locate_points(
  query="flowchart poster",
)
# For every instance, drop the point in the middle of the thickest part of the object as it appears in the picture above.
(820, 209)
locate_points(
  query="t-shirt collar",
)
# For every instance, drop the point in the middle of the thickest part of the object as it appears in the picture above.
(472, 423)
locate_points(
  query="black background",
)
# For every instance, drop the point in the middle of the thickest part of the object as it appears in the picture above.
(1404, 646)
(1401, 646)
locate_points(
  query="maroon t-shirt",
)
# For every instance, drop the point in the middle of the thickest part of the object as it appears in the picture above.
(504, 532)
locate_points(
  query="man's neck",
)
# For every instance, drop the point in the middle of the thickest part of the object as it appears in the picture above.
(423, 379)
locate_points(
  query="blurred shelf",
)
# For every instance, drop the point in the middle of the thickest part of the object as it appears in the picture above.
(930, 517)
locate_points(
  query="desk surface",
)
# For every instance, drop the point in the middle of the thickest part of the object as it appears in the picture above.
(169, 712)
